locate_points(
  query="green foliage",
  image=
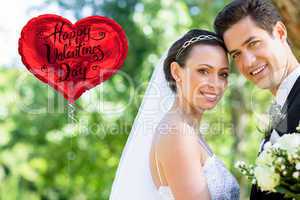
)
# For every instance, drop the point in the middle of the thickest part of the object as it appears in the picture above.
(45, 155)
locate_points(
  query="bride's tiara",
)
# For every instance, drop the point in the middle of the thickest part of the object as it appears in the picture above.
(196, 39)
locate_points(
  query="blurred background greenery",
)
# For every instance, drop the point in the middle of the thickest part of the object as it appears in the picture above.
(43, 155)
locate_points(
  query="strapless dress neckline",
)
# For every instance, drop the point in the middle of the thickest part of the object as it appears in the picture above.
(222, 185)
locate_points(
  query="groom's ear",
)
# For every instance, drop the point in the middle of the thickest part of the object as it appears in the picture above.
(175, 71)
(280, 32)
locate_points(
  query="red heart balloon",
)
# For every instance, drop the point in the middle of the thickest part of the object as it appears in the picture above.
(72, 58)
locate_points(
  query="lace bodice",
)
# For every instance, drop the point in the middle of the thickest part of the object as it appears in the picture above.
(221, 183)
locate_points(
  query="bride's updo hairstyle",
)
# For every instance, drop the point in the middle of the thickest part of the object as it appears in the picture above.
(180, 50)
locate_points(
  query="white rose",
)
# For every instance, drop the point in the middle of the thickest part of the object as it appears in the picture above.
(265, 158)
(289, 142)
(267, 179)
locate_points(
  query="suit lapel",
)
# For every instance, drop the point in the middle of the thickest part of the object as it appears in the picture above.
(282, 126)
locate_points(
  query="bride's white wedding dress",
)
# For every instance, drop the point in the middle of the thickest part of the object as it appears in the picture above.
(221, 184)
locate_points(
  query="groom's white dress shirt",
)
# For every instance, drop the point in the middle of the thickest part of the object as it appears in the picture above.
(282, 94)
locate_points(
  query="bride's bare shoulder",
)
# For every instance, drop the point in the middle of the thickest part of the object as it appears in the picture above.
(172, 131)
(172, 125)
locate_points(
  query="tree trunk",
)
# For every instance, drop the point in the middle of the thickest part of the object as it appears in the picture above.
(290, 12)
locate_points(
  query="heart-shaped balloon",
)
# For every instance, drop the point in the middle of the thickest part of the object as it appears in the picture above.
(72, 58)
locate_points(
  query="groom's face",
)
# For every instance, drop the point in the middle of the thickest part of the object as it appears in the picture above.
(258, 55)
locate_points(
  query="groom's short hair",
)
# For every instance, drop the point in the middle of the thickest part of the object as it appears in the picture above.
(262, 12)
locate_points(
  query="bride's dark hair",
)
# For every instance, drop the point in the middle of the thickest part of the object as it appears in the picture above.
(180, 50)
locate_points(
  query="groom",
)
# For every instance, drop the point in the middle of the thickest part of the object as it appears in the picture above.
(256, 39)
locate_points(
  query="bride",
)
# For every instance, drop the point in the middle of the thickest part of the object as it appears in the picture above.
(165, 156)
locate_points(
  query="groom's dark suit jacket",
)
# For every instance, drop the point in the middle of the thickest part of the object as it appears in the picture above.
(288, 125)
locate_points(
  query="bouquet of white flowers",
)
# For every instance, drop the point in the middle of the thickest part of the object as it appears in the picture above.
(277, 168)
